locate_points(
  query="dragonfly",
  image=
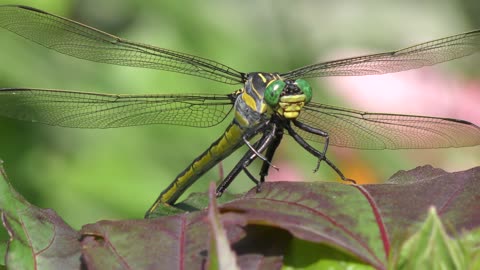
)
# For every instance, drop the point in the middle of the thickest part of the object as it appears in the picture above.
(267, 106)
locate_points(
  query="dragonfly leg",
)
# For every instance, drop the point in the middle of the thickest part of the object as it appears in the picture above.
(318, 132)
(270, 152)
(248, 158)
(259, 155)
(241, 165)
(324, 152)
(339, 173)
(316, 153)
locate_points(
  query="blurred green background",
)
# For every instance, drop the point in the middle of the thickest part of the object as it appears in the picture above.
(88, 175)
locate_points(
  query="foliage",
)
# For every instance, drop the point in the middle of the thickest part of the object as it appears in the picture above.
(294, 225)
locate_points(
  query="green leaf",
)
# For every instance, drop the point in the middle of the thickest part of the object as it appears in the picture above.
(3, 252)
(297, 225)
(308, 255)
(470, 243)
(40, 239)
(431, 248)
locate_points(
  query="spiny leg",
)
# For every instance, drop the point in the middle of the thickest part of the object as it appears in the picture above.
(257, 153)
(318, 132)
(275, 137)
(234, 173)
(316, 153)
(241, 165)
(259, 146)
(269, 155)
(337, 170)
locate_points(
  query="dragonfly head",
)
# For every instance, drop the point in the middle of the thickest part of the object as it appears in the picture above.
(270, 92)
(287, 97)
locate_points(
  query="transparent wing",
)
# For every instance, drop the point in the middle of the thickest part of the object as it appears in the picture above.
(356, 129)
(84, 42)
(93, 110)
(425, 54)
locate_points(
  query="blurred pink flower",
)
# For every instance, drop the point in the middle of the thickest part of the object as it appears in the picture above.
(426, 91)
(286, 172)
(429, 91)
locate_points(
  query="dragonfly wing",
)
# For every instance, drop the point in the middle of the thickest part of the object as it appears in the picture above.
(84, 42)
(357, 129)
(425, 54)
(94, 110)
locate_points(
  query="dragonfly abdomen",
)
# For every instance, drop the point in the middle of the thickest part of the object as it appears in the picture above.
(220, 149)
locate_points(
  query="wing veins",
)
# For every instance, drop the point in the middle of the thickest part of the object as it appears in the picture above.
(67, 37)
(357, 129)
(94, 110)
(427, 53)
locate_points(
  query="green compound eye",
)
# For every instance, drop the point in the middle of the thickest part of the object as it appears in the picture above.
(306, 89)
(273, 91)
